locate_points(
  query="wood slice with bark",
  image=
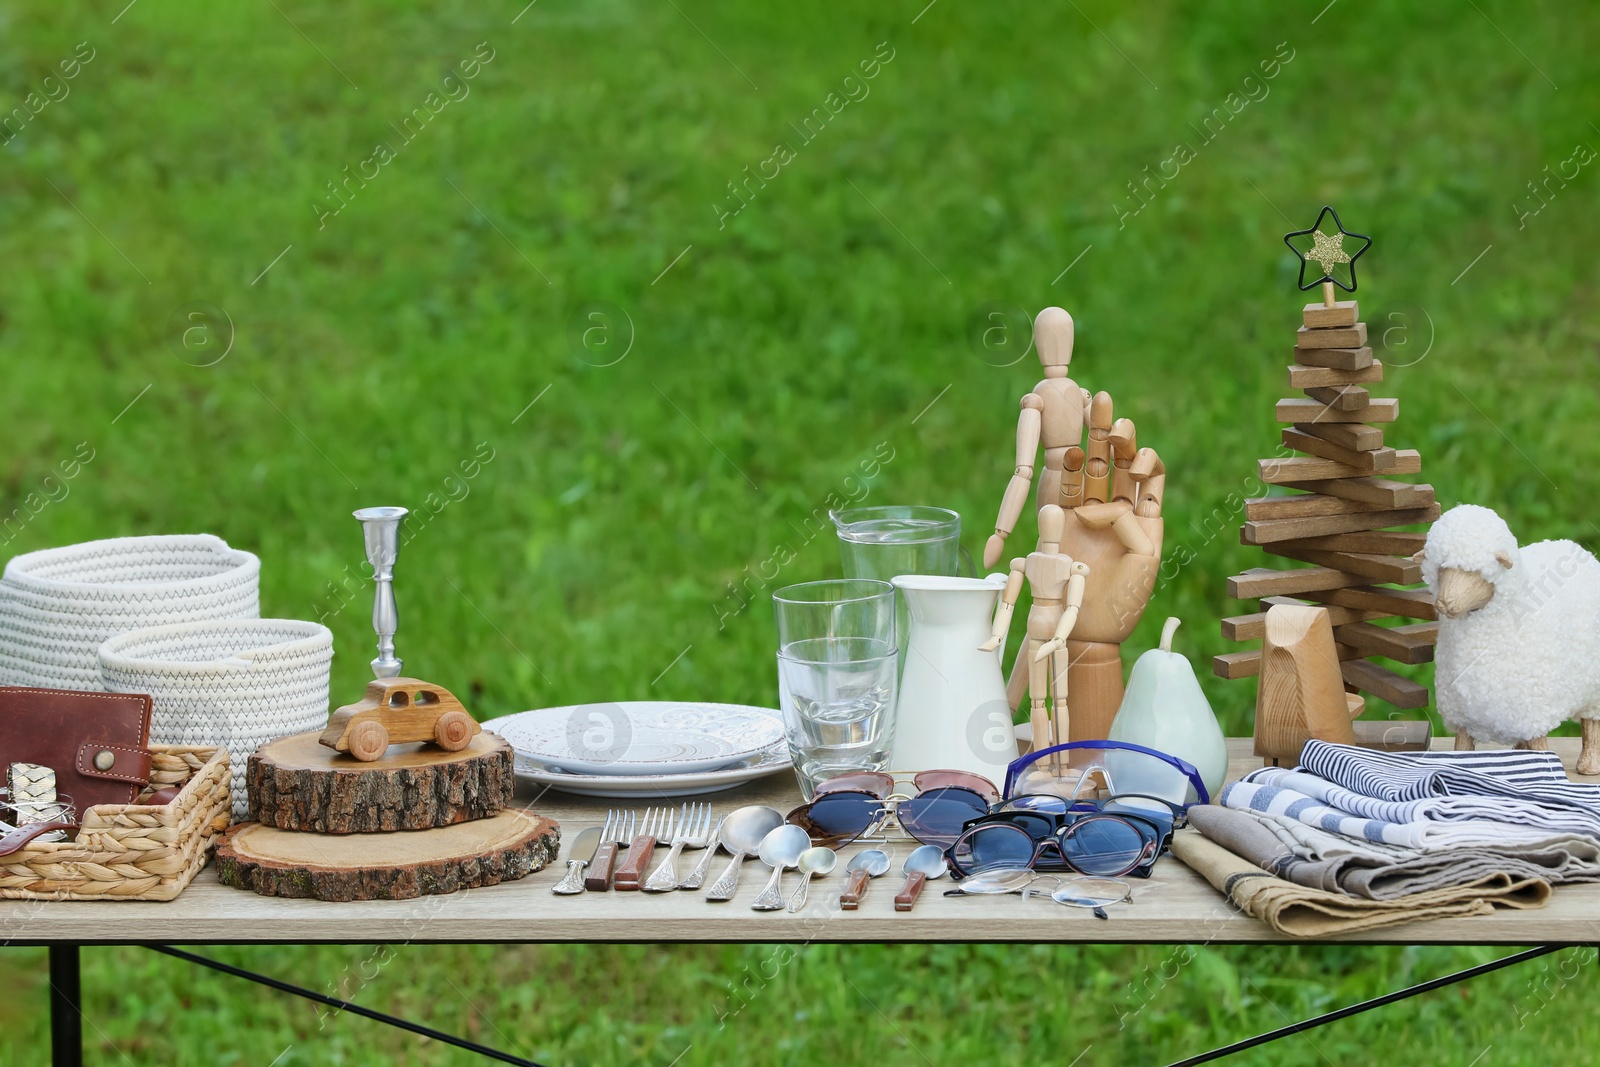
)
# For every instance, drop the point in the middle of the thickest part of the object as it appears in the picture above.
(295, 783)
(395, 866)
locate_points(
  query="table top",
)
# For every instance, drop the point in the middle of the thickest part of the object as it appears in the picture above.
(1174, 906)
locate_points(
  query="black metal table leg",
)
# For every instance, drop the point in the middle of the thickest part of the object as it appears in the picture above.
(66, 1007)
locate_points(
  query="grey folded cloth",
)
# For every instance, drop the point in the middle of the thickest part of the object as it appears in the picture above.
(1299, 911)
(1372, 875)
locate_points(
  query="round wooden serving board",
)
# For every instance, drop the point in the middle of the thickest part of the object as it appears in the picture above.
(296, 783)
(394, 866)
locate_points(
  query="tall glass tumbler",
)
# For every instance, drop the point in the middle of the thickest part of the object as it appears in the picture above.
(882, 542)
(838, 676)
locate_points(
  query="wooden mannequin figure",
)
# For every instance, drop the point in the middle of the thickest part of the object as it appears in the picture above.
(1111, 494)
(1057, 582)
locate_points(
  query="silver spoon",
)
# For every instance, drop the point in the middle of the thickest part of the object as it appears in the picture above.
(818, 860)
(866, 865)
(923, 864)
(780, 850)
(742, 831)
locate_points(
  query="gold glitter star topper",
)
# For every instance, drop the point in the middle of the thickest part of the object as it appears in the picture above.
(1328, 252)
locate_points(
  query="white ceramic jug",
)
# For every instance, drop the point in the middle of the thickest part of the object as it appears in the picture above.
(952, 710)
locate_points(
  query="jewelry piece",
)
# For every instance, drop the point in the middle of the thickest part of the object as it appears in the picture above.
(33, 791)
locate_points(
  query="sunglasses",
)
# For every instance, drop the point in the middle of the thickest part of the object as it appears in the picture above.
(851, 806)
(1121, 836)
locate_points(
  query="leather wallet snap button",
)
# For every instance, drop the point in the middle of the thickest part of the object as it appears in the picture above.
(105, 759)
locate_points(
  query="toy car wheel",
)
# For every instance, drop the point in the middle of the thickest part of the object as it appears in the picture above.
(368, 741)
(453, 730)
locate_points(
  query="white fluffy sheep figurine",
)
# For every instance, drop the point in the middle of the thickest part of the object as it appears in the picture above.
(1519, 633)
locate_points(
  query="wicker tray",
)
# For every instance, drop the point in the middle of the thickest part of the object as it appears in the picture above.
(132, 851)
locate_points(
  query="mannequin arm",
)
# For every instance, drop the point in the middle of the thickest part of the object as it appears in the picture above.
(1007, 605)
(1017, 490)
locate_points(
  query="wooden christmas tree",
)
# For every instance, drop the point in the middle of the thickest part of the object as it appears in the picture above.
(1347, 503)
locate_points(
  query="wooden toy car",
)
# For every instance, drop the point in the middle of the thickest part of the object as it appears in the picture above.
(395, 710)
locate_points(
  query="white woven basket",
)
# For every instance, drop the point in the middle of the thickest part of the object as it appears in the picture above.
(59, 605)
(231, 683)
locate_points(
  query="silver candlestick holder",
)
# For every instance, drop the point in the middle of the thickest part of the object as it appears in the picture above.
(380, 528)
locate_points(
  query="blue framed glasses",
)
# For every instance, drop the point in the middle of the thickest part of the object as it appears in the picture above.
(1130, 768)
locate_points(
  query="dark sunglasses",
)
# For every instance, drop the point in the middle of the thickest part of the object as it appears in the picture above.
(851, 806)
(1120, 836)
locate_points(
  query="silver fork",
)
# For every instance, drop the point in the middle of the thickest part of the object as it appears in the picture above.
(697, 877)
(694, 831)
(598, 879)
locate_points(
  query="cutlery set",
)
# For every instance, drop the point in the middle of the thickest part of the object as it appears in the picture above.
(755, 830)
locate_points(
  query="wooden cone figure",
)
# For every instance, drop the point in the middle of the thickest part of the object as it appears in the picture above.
(1302, 692)
(1344, 514)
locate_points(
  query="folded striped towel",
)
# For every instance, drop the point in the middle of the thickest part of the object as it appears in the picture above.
(1420, 832)
(1414, 775)
(1530, 789)
(1580, 855)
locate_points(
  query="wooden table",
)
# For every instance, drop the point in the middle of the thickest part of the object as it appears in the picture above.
(1174, 906)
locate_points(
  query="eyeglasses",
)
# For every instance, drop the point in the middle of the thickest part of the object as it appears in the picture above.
(1094, 894)
(851, 806)
(1121, 836)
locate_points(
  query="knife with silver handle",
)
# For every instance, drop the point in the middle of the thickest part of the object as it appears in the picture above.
(581, 855)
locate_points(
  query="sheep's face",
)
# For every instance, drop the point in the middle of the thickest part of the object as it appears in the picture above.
(1461, 592)
(1468, 550)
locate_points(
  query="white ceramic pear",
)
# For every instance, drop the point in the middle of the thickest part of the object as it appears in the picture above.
(1165, 709)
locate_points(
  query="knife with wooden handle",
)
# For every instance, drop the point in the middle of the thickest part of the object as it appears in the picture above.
(630, 875)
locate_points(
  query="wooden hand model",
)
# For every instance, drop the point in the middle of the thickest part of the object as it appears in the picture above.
(1057, 582)
(1111, 494)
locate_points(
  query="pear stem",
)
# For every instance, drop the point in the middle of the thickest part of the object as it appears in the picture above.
(1167, 632)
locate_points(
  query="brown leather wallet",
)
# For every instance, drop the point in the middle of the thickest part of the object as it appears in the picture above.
(97, 743)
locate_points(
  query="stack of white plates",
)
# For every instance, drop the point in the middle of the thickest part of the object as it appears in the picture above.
(645, 748)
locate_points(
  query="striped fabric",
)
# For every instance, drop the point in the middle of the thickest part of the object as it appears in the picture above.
(1414, 775)
(1272, 791)
(1425, 800)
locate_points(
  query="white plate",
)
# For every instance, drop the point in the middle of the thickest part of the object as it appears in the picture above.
(771, 761)
(641, 738)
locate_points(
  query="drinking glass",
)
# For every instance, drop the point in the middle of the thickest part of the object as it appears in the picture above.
(882, 542)
(838, 675)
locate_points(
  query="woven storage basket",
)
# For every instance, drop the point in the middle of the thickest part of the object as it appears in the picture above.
(132, 851)
(235, 683)
(59, 605)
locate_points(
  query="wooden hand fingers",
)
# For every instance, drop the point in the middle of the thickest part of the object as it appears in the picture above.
(1072, 477)
(1097, 470)
(1124, 448)
(1151, 474)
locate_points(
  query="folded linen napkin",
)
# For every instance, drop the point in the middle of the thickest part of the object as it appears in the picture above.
(1371, 877)
(1298, 911)
(1305, 797)
(1516, 773)
(1580, 856)
(1508, 786)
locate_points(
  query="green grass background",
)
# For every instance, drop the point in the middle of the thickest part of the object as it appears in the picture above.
(785, 346)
